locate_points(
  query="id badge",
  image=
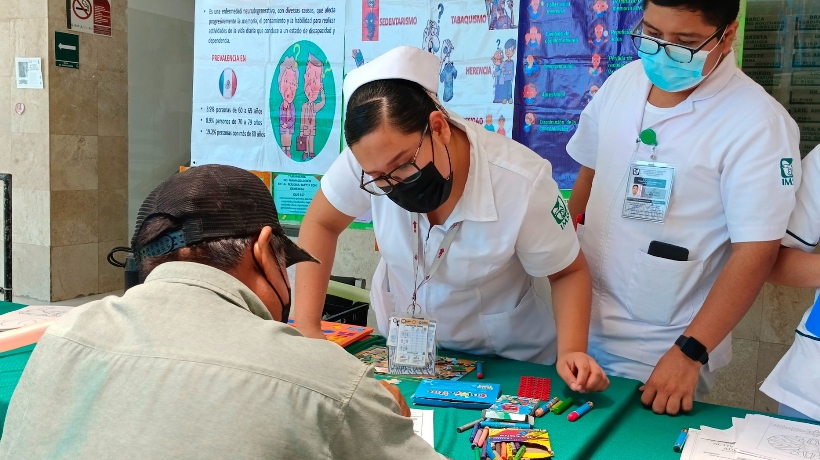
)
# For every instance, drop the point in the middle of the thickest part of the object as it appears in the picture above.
(411, 346)
(648, 191)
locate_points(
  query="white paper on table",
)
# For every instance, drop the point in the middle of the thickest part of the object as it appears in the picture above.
(423, 424)
(702, 445)
(728, 435)
(739, 424)
(773, 438)
(30, 315)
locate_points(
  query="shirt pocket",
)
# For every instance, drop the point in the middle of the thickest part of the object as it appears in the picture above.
(526, 333)
(663, 291)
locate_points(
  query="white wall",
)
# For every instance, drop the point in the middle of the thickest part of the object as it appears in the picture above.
(160, 85)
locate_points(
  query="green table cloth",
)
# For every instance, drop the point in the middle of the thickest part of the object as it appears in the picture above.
(12, 364)
(618, 428)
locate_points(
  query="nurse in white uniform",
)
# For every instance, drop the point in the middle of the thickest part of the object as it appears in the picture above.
(795, 381)
(482, 213)
(716, 161)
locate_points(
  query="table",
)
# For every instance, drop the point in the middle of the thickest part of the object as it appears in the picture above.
(618, 428)
(12, 364)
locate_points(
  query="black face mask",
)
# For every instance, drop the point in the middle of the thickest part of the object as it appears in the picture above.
(285, 308)
(425, 194)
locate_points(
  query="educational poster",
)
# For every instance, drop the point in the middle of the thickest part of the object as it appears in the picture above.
(267, 84)
(477, 42)
(782, 54)
(568, 50)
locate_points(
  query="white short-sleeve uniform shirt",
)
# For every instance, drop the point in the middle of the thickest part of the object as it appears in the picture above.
(795, 381)
(733, 147)
(515, 227)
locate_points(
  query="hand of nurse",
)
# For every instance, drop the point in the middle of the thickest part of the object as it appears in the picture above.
(671, 387)
(394, 390)
(581, 373)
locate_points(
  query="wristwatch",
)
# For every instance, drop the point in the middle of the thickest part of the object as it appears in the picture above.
(693, 349)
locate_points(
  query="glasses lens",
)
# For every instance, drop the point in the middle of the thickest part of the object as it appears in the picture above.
(679, 53)
(378, 187)
(645, 45)
(406, 174)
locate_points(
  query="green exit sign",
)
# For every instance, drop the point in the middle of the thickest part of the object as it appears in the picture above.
(67, 50)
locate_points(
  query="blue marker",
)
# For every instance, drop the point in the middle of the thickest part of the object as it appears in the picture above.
(479, 369)
(577, 413)
(524, 426)
(681, 440)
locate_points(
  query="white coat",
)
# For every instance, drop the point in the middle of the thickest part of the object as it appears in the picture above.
(727, 141)
(515, 227)
(795, 381)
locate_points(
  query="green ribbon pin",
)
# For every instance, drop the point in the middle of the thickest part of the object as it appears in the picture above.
(649, 137)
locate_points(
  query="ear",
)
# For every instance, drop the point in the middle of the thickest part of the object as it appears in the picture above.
(440, 127)
(729, 37)
(263, 253)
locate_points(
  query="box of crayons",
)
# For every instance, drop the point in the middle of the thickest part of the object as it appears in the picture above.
(464, 395)
(520, 443)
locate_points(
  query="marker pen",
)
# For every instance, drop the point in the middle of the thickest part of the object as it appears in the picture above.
(579, 412)
(479, 369)
(547, 406)
(684, 433)
(559, 408)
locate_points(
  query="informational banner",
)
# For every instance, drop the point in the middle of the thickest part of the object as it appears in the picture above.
(267, 84)
(782, 54)
(89, 16)
(476, 41)
(569, 49)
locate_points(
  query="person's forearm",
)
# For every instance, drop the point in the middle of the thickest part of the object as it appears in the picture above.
(795, 268)
(733, 293)
(572, 300)
(580, 191)
(312, 279)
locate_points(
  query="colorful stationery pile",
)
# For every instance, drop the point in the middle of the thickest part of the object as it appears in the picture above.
(446, 368)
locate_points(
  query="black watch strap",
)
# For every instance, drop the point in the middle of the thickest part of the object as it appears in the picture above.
(693, 349)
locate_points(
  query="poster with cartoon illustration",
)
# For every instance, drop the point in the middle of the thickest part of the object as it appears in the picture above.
(568, 51)
(267, 84)
(477, 44)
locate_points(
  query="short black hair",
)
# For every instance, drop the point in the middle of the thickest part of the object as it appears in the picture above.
(718, 13)
(404, 104)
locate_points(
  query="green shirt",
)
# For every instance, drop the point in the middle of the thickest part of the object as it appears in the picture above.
(191, 365)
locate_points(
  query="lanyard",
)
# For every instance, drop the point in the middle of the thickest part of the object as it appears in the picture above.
(418, 254)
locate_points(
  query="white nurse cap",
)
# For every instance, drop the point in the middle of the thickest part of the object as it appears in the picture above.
(405, 62)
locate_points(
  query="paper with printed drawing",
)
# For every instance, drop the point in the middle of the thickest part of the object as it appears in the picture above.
(423, 424)
(30, 315)
(710, 444)
(772, 438)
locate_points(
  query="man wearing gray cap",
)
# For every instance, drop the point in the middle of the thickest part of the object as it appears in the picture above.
(198, 362)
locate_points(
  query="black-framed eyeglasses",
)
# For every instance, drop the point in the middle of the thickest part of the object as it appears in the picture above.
(403, 174)
(678, 53)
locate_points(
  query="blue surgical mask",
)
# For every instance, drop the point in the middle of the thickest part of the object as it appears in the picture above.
(673, 76)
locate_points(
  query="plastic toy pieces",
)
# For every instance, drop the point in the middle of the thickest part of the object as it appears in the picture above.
(534, 387)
